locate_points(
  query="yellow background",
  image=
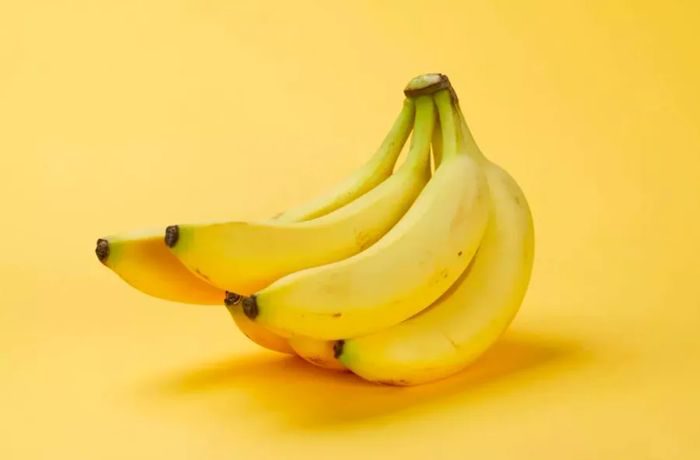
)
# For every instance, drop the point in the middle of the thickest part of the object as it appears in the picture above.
(127, 114)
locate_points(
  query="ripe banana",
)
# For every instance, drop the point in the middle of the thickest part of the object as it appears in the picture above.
(246, 256)
(401, 274)
(144, 262)
(473, 313)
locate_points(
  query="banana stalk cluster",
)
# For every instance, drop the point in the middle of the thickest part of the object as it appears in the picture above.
(402, 275)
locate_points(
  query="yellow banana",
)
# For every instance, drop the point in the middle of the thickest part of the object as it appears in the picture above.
(142, 260)
(246, 256)
(470, 316)
(401, 274)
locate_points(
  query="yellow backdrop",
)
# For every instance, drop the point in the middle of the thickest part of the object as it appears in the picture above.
(119, 115)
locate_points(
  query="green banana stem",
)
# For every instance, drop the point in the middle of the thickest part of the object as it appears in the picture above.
(448, 124)
(418, 157)
(466, 136)
(391, 146)
(436, 142)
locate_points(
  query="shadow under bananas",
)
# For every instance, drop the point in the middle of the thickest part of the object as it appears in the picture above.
(308, 397)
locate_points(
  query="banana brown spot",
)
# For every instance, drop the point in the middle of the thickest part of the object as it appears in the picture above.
(198, 271)
(459, 253)
(315, 360)
(250, 307)
(337, 315)
(102, 250)
(232, 299)
(363, 239)
(338, 348)
(172, 234)
(398, 382)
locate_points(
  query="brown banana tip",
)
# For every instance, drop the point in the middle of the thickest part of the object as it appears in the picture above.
(250, 307)
(232, 299)
(102, 250)
(426, 84)
(338, 348)
(172, 234)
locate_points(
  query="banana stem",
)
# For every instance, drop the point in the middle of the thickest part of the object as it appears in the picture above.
(418, 157)
(393, 143)
(437, 142)
(466, 137)
(448, 123)
(456, 136)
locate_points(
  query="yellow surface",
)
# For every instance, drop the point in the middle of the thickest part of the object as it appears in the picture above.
(118, 115)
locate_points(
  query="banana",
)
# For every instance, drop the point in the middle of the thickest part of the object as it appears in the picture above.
(470, 316)
(144, 262)
(401, 274)
(245, 257)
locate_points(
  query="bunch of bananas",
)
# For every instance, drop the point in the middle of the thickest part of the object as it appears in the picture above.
(401, 275)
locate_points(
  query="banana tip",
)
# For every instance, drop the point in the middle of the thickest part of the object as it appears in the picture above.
(172, 234)
(102, 250)
(338, 348)
(250, 307)
(232, 299)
